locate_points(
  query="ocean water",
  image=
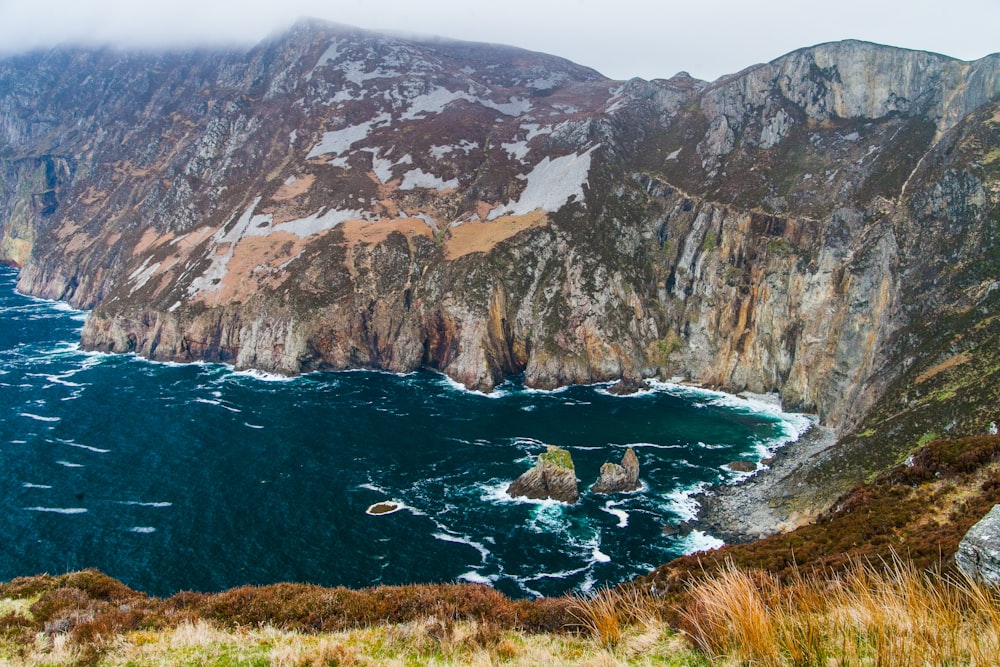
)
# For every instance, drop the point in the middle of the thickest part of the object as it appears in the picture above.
(196, 477)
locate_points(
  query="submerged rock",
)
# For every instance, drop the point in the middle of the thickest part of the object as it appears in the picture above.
(617, 478)
(627, 386)
(554, 476)
(979, 551)
(742, 466)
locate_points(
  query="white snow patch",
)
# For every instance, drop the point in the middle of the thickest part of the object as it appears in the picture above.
(142, 275)
(550, 81)
(340, 162)
(551, 184)
(290, 180)
(330, 55)
(418, 178)
(434, 102)
(673, 155)
(317, 222)
(292, 136)
(535, 130)
(517, 150)
(517, 106)
(466, 146)
(345, 95)
(354, 72)
(383, 167)
(340, 141)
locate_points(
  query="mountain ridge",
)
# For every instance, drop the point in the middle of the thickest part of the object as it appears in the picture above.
(324, 201)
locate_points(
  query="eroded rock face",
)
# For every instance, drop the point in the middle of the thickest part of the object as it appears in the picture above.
(979, 551)
(553, 476)
(617, 478)
(343, 199)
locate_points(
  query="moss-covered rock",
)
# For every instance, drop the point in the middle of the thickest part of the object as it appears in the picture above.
(553, 476)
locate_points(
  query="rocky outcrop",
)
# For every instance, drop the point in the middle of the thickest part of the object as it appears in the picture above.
(349, 200)
(553, 476)
(617, 478)
(979, 551)
(742, 466)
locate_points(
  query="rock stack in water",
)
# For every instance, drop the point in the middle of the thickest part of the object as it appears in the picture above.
(619, 478)
(553, 476)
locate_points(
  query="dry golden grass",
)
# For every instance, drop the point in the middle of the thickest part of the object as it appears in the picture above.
(893, 614)
(473, 237)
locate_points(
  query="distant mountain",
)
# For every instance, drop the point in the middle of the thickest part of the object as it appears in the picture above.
(335, 198)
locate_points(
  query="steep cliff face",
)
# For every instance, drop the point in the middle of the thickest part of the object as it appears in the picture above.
(337, 199)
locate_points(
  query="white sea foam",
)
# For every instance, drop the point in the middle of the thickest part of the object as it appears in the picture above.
(463, 539)
(142, 529)
(697, 541)
(653, 445)
(474, 577)
(29, 485)
(611, 508)
(599, 556)
(67, 464)
(40, 418)
(563, 574)
(254, 426)
(96, 450)
(61, 379)
(372, 487)
(264, 376)
(139, 503)
(498, 392)
(58, 510)
(682, 502)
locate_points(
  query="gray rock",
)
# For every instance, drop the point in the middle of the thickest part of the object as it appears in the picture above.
(979, 551)
(554, 476)
(619, 478)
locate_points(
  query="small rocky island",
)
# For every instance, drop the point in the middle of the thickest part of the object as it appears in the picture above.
(554, 476)
(617, 478)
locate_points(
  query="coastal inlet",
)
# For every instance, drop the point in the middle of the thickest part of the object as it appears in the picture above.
(173, 477)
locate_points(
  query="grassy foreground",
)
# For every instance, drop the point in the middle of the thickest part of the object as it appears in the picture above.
(869, 614)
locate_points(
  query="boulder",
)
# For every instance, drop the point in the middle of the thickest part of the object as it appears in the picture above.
(619, 478)
(554, 476)
(742, 466)
(979, 551)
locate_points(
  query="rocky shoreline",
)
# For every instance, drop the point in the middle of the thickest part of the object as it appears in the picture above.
(770, 501)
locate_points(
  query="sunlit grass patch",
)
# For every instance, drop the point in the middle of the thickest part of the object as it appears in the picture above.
(893, 614)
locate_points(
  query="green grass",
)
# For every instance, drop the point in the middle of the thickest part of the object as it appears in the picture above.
(557, 456)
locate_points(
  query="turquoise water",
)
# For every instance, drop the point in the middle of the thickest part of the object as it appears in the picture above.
(195, 477)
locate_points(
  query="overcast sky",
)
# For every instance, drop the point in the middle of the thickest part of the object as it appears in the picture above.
(620, 38)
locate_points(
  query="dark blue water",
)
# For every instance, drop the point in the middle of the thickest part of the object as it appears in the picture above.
(173, 477)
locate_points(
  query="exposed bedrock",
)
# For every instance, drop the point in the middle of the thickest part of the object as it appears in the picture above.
(337, 199)
(619, 478)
